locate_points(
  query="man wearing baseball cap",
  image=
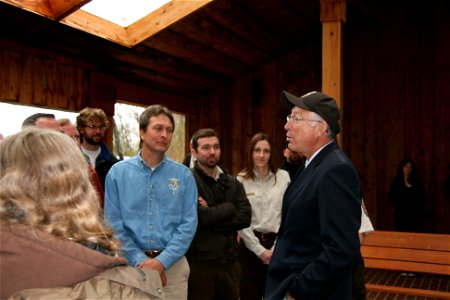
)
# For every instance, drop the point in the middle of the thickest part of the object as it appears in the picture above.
(317, 244)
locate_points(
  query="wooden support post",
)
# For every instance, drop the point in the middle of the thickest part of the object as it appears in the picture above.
(332, 16)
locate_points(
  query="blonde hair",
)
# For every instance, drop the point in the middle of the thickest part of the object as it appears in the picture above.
(64, 121)
(44, 183)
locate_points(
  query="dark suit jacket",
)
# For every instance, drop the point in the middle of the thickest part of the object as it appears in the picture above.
(318, 244)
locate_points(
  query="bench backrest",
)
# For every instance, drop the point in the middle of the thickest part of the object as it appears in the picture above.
(404, 251)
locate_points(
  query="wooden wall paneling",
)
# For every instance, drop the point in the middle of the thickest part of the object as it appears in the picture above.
(191, 124)
(147, 96)
(215, 113)
(10, 75)
(368, 114)
(395, 89)
(279, 133)
(359, 115)
(423, 134)
(226, 131)
(414, 66)
(241, 121)
(439, 199)
(26, 93)
(79, 90)
(32, 81)
(392, 96)
(276, 120)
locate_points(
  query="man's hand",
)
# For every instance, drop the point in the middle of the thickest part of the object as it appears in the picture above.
(154, 264)
(266, 257)
(202, 202)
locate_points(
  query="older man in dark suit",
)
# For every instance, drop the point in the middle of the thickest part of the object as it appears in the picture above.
(317, 244)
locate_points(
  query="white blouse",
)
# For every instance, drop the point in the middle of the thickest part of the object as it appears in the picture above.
(266, 198)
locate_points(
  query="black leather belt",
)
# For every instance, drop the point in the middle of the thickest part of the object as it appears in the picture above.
(152, 253)
(269, 236)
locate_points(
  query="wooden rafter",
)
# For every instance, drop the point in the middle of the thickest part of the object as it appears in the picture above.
(52, 9)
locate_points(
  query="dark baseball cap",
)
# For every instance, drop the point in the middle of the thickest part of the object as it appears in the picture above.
(317, 102)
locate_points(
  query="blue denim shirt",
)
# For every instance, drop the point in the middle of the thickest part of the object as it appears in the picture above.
(151, 209)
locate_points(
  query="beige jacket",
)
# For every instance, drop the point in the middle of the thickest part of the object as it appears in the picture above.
(53, 267)
(116, 283)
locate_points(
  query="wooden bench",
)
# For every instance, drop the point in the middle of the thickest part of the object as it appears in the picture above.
(407, 252)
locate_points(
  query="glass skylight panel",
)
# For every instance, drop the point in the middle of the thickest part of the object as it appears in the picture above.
(123, 12)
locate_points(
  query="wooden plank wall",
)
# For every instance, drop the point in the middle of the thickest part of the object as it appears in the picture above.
(397, 95)
(252, 103)
(30, 80)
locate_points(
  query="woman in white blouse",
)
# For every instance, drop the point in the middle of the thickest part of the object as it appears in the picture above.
(264, 186)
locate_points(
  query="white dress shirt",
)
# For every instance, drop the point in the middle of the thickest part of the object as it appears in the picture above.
(266, 197)
(366, 224)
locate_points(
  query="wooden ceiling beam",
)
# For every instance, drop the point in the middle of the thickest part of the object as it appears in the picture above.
(178, 46)
(52, 9)
(216, 38)
(149, 59)
(62, 9)
(162, 18)
(35, 6)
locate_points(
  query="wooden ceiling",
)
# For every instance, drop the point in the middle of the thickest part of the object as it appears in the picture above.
(191, 58)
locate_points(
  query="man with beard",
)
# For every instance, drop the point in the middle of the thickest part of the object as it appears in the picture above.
(72, 131)
(223, 209)
(92, 124)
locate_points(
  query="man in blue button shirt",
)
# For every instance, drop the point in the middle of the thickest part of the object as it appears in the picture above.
(151, 202)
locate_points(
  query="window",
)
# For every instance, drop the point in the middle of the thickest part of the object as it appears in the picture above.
(12, 116)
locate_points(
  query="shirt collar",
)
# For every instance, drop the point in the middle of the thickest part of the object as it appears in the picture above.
(258, 175)
(218, 172)
(307, 161)
(145, 164)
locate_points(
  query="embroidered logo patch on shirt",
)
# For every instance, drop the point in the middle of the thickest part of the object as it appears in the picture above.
(174, 183)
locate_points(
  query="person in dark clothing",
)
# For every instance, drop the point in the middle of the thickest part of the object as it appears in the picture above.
(223, 209)
(407, 194)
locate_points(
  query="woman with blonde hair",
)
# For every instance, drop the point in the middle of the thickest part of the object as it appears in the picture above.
(52, 233)
(264, 186)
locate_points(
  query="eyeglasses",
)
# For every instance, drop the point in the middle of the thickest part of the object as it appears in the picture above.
(297, 119)
(95, 127)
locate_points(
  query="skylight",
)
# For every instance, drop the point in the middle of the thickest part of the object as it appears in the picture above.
(126, 22)
(123, 12)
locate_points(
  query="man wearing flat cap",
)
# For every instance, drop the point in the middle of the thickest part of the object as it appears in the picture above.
(317, 244)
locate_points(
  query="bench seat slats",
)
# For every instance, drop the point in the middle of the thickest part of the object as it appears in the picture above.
(407, 252)
(406, 266)
(414, 255)
(430, 241)
(408, 291)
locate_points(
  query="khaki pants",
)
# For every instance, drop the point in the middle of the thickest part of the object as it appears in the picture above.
(177, 280)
